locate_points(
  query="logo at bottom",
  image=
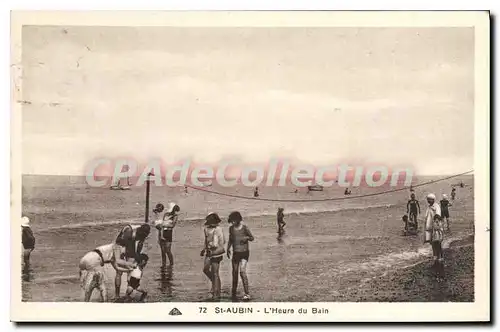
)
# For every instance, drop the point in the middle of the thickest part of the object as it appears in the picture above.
(175, 312)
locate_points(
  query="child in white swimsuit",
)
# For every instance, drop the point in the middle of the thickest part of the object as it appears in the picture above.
(135, 280)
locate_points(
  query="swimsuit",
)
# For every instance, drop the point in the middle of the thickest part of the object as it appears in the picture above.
(215, 238)
(135, 278)
(238, 256)
(166, 229)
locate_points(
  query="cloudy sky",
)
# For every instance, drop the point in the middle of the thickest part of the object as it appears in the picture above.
(393, 96)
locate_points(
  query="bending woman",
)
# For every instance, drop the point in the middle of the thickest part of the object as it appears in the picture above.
(165, 233)
(92, 268)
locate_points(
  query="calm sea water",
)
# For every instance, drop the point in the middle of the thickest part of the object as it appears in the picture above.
(327, 246)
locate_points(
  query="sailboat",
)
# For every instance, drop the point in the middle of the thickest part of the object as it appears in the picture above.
(315, 187)
(118, 186)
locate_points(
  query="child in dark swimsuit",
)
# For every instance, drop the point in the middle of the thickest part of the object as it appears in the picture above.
(280, 218)
(239, 235)
(413, 209)
(445, 203)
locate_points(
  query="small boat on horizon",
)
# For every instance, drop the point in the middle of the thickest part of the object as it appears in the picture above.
(316, 187)
(118, 186)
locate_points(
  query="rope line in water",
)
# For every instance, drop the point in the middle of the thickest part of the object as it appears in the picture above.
(326, 199)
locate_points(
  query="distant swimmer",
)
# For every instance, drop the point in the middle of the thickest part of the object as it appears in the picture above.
(92, 268)
(445, 204)
(453, 193)
(280, 219)
(185, 189)
(347, 191)
(131, 238)
(213, 251)
(165, 228)
(413, 209)
(239, 236)
(256, 192)
(295, 191)
(28, 240)
(134, 292)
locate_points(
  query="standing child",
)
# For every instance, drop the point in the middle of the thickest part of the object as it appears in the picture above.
(239, 236)
(445, 203)
(434, 232)
(413, 209)
(165, 228)
(453, 193)
(213, 251)
(280, 218)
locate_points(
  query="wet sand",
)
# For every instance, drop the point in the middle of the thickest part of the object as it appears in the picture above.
(418, 282)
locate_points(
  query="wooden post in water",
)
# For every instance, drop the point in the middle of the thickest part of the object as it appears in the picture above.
(146, 218)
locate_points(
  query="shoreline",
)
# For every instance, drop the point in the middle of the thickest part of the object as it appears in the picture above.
(417, 283)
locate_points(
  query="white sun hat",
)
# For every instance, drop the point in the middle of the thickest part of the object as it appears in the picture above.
(171, 207)
(431, 196)
(25, 221)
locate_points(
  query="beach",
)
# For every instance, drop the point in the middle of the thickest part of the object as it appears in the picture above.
(417, 283)
(350, 250)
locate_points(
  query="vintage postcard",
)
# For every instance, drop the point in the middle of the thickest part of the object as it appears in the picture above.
(250, 166)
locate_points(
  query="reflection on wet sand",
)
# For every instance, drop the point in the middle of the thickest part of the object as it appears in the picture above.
(166, 277)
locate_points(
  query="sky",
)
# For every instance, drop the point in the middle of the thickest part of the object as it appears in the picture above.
(321, 96)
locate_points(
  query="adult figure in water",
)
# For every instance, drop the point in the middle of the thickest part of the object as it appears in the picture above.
(28, 241)
(165, 228)
(131, 238)
(434, 232)
(413, 209)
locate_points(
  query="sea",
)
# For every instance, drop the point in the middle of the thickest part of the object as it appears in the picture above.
(332, 241)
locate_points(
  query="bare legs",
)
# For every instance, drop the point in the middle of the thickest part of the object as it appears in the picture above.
(240, 267)
(26, 257)
(437, 252)
(91, 280)
(166, 251)
(208, 272)
(216, 278)
(211, 270)
(118, 284)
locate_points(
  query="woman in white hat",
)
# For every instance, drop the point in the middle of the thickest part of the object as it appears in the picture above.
(28, 240)
(434, 230)
(165, 232)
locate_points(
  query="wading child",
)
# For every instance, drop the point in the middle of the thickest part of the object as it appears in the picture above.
(434, 233)
(133, 289)
(213, 252)
(445, 203)
(165, 228)
(410, 227)
(239, 236)
(280, 218)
